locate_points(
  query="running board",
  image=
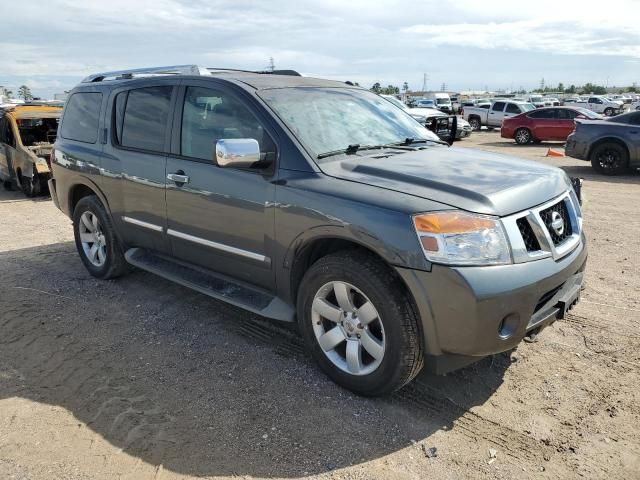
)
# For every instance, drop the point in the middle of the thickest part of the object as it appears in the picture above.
(212, 284)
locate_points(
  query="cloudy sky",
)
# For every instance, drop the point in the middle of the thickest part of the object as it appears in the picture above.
(466, 44)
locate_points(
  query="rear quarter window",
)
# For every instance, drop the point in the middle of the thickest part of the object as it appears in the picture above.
(81, 117)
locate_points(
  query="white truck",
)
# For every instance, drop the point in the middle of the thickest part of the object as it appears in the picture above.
(442, 101)
(492, 117)
(599, 104)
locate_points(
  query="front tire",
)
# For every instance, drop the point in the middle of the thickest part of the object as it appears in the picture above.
(610, 159)
(523, 136)
(30, 186)
(608, 111)
(358, 323)
(96, 240)
(475, 123)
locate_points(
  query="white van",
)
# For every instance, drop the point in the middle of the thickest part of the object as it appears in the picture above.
(442, 101)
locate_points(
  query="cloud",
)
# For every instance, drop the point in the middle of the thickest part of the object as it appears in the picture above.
(364, 41)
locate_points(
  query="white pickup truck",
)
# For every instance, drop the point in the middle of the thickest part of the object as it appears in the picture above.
(599, 104)
(492, 117)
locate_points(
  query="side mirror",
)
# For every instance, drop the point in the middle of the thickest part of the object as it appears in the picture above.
(237, 152)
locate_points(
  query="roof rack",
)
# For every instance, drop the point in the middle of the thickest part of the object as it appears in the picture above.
(173, 70)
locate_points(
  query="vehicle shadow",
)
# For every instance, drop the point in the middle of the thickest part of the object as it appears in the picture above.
(177, 379)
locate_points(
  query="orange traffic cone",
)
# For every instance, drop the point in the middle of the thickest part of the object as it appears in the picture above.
(554, 153)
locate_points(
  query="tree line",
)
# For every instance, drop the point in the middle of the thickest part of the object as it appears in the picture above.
(24, 92)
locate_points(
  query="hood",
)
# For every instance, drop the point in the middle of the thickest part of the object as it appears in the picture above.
(468, 179)
(427, 112)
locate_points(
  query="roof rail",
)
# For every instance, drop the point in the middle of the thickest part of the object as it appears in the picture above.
(130, 73)
(175, 70)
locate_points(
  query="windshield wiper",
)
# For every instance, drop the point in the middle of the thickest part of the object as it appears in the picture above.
(410, 141)
(350, 150)
(356, 147)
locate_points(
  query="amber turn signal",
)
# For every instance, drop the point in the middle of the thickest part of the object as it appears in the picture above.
(451, 222)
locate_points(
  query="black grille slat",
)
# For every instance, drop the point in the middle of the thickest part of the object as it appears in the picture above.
(530, 240)
(546, 216)
(546, 297)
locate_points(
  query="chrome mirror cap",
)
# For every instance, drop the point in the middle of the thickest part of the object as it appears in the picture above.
(237, 152)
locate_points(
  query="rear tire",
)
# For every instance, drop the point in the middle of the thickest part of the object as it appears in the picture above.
(30, 185)
(523, 136)
(610, 159)
(8, 185)
(96, 240)
(389, 319)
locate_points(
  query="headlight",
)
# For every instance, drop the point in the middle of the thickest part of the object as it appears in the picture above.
(460, 238)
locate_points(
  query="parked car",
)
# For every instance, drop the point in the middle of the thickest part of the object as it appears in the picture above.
(27, 133)
(455, 104)
(598, 104)
(553, 100)
(425, 103)
(635, 105)
(426, 117)
(554, 123)
(538, 101)
(314, 201)
(612, 145)
(493, 116)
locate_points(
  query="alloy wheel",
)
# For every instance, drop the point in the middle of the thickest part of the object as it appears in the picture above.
(93, 240)
(348, 328)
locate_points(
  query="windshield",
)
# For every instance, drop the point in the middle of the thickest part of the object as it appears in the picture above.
(442, 101)
(535, 98)
(328, 119)
(527, 107)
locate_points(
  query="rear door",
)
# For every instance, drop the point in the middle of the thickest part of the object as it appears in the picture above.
(220, 218)
(543, 123)
(135, 165)
(496, 114)
(565, 123)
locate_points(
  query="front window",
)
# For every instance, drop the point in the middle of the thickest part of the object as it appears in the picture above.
(536, 99)
(396, 102)
(443, 101)
(330, 119)
(527, 107)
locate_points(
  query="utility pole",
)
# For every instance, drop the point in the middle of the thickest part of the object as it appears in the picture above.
(542, 85)
(425, 77)
(272, 65)
(443, 87)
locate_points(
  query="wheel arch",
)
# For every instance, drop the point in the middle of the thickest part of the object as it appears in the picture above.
(81, 188)
(305, 253)
(608, 139)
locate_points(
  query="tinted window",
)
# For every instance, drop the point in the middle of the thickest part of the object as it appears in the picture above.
(544, 113)
(498, 106)
(512, 108)
(210, 115)
(81, 115)
(146, 116)
(564, 114)
(118, 117)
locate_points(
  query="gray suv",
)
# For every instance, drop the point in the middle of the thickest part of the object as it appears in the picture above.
(321, 203)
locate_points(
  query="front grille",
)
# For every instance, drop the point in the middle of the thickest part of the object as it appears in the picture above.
(547, 216)
(530, 240)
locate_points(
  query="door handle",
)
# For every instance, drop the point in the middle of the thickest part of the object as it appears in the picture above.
(178, 177)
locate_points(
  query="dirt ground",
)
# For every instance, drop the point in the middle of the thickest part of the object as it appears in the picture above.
(139, 378)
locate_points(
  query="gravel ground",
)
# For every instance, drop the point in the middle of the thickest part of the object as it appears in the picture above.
(139, 378)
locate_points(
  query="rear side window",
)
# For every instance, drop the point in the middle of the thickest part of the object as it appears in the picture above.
(512, 108)
(146, 115)
(565, 114)
(81, 116)
(546, 114)
(498, 106)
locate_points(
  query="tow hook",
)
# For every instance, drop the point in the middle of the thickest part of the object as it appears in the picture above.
(532, 336)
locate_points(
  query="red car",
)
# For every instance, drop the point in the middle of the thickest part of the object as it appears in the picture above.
(555, 123)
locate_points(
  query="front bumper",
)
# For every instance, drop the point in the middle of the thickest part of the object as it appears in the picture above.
(471, 312)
